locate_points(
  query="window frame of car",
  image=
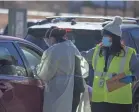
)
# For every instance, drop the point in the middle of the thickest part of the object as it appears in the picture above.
(11, 47)
(30, 46)
(126, 40)
(37, 41)
(132, 38)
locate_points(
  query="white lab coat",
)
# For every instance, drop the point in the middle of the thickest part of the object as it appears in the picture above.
(57, 70)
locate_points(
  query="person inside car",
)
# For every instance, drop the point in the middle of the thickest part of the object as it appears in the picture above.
(7, 66)
(110, 58)
(57, 70)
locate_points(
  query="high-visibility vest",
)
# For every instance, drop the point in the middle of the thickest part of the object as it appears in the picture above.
(117, 65)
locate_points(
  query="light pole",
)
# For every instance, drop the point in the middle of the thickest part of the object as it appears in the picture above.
(124, 8)
(134, 8)
(3, 4)
(106, 8)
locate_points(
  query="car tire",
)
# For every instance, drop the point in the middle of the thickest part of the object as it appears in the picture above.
(135, 106)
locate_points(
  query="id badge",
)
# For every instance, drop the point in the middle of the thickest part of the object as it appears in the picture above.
(101, 82)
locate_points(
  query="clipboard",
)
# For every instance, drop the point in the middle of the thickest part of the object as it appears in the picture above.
(114, 83)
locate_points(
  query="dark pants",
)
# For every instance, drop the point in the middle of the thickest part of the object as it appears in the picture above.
(78, 89)
(75, 103)
(109, 107)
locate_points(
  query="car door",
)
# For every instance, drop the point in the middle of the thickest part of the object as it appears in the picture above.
(32, 55)
(19, 92)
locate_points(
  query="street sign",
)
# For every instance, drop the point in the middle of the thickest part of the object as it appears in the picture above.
(17, 22)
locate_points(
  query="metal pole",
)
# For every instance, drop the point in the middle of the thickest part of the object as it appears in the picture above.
(106, 8)
(124, 8)
(17, 22)
(134, 9)
(3, 4)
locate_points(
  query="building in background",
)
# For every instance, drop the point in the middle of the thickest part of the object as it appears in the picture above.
(72, 6)
(110, 8)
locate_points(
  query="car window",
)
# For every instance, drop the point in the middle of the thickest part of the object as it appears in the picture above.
(37, 41)
(85, 39)
(135, 39)
(32, 56)
(10, 62)
(126, 38)
(135, 33)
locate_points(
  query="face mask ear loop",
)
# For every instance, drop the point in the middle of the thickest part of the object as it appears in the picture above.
(46, 33)
(45, 36)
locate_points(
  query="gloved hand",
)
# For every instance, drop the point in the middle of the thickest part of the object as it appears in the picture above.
(128, 79)
(90, 89)
(90, 92)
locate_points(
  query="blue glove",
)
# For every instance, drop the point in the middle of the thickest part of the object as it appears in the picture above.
(89, 89)
(127, 79)
(90, 92)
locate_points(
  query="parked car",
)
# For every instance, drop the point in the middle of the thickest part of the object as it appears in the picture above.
(86, 21)
(69, 18)
(80, 32)
(30, 22)
(20, 88)
(86, 35)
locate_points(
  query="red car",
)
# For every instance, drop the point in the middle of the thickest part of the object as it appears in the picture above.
(20, 90)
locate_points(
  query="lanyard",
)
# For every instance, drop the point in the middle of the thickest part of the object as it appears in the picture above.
(106, 61)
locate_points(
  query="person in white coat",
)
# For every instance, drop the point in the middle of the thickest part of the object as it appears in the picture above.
(57, 69)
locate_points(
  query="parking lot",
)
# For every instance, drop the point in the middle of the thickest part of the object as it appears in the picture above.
(40, 49)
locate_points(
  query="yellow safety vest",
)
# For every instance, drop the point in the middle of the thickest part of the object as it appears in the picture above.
(117, 65)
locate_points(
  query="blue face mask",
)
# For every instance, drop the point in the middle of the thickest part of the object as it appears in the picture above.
(106, 42)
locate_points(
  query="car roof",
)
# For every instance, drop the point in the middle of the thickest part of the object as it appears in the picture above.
(78, 25)
(129, 26)
(85, 18)
(11, 38)
(76, 17)
(80, 16)
(81, 25)
(88, 17)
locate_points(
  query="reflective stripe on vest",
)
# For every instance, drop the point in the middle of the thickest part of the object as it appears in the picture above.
(100, 94)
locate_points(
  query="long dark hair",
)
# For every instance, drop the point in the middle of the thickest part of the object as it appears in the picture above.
(117, 47)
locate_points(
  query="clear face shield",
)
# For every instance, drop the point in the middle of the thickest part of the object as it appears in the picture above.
(48, 40)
